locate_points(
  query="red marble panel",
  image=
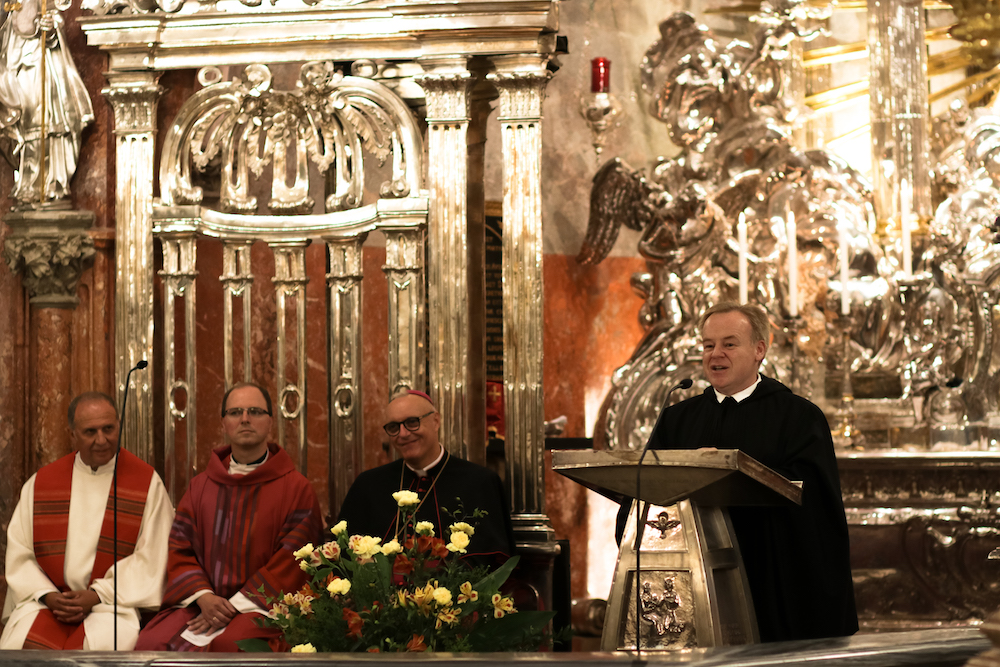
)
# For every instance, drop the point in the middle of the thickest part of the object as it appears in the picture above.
(51, 334)
(591, 328)
(375, 386)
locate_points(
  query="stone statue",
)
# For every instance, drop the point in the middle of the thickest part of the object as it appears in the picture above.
(35, 61)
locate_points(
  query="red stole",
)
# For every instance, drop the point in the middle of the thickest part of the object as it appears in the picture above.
(53, 485)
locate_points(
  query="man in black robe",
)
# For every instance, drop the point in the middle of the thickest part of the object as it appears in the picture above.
(797, 558)
(445, 483)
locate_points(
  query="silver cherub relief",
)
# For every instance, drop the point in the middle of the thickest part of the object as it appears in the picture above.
(726, 107)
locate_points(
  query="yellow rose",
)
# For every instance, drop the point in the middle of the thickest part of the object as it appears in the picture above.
(391, 548)
(458, 542)
(406, 498)
(462, 527)
(339, 587)
(304, 648)
(442, 596)
(304, 551)
(339, 528)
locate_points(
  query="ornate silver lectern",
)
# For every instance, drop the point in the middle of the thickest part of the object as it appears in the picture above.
(693, 589)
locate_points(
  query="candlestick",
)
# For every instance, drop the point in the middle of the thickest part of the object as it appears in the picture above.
(600, 75)
(741, 237)
(905, 199)
(845, 303)
(793, 264)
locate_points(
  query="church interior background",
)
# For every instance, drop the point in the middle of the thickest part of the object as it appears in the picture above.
(372, 264)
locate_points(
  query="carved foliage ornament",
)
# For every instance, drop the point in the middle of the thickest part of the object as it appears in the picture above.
(331, 121)
(50, 267)
(105, 7)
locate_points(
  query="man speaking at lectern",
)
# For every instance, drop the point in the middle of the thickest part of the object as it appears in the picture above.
(797, 558)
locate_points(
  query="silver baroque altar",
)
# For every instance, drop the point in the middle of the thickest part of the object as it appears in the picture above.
(885, 309)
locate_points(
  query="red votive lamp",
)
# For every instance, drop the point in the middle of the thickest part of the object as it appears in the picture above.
(600, 75)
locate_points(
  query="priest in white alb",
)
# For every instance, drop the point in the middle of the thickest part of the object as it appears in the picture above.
(60, 542)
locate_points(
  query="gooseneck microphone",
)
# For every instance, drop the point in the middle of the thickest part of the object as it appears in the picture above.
(141, 364)
(640, 513)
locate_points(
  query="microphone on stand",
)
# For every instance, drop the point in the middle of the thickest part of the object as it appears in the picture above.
(639, 514)
(141, 364)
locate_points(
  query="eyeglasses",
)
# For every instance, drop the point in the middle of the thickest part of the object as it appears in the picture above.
(238, 412)
(411, 424)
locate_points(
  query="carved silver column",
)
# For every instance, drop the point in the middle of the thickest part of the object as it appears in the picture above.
(898, 107)
(344, 324)
(180, 401)
(404, 273)
(237, 280)
(133, 96)
(290, 283)
(446, 85)
(521, 82)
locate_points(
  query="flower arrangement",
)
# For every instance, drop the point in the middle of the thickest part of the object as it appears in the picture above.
(413, 593)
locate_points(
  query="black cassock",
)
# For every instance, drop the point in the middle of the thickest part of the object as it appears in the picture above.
(369, 508)
(797, 559)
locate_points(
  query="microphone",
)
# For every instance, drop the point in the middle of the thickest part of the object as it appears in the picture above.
(142, 363)
(640, 515)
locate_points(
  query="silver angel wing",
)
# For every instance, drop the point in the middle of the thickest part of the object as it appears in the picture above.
(620, 196)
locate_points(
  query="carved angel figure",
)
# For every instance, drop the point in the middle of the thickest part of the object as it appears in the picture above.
(964, 265)
(725, 107)
(29, 41)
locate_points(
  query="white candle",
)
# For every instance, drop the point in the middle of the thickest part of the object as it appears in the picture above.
(793, 264)
(845, 303)
(741, 237)
(905, 206)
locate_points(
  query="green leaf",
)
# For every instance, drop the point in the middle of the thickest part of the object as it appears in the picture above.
(512, 631)
(254, 645)
(495, 579)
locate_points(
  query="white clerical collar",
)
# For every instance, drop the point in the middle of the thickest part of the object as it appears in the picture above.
(740, 395)
(422, 472)
(238, 469)
(105, 469)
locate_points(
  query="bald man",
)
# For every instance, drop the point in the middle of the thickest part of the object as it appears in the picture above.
(60, 560)
(445, 483)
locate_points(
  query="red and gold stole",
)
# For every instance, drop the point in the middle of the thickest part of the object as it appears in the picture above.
(53, 484)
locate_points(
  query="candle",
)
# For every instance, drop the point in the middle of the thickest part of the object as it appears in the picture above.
(600, 75)
(793, 264)
(741, 237)
(845, 303)
(905, 199)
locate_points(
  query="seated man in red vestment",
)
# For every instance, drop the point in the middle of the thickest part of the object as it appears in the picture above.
(60, 561)
(445, 483)
(232, 541)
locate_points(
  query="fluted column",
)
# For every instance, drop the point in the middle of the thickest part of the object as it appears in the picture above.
(180, 377)
(899, 109)
(133, 96)
(446, 85)
(404, 274)
(521, 82)
(290, 290)
(345, 324)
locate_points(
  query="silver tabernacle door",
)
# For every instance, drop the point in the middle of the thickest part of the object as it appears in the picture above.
(693, 590)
